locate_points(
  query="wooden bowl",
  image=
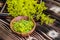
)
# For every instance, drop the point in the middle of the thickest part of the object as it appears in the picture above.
(19, 18)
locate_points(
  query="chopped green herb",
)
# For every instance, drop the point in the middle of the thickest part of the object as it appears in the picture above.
(23, 26)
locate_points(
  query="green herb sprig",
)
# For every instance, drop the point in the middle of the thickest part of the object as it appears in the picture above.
(29, 8)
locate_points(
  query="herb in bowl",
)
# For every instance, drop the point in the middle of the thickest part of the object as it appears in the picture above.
(23, 26)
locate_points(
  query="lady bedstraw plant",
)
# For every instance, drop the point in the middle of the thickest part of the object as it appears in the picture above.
(28, 8)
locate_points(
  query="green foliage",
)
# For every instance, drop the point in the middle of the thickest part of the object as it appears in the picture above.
(28, 8)
(23, 26)
(46, 19)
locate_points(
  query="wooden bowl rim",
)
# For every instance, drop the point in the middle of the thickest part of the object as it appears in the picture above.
(23, 34)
